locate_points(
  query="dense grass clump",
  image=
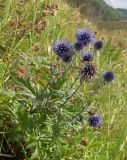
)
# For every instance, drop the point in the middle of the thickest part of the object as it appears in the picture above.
(61, 98)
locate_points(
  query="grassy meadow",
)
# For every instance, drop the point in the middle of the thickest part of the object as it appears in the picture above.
(32, 125)
(117, 32)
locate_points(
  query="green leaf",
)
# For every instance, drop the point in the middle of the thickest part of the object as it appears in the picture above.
(34, 155)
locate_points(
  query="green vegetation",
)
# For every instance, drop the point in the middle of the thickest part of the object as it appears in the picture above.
(105, 18)
(32, 125)
(123, 13)
(96, 10)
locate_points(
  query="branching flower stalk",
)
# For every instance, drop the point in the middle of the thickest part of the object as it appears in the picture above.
(108, 77)
(98, 58)
(86, 106)
(72, 84)
(35, 110)
(71, 95)
(59, 116)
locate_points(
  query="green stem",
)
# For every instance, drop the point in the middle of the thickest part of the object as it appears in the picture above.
(57, 80)
(71, 95)
(73, 84)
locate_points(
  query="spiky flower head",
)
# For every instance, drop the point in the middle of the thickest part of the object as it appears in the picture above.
(87, 56)
(81, 118)
(88, 72)
(78, 46)
(98, 45)
(108, 76)
(85, 36)
(95, 120)
(63, 49)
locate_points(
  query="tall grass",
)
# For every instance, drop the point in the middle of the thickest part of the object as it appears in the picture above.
(27, 53)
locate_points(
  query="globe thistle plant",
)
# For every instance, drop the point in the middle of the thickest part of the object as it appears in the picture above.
(108, 76)
(63, 49)
(85, 36)
(95, 120)
(87, 56)
(88, 72)
(98, 45)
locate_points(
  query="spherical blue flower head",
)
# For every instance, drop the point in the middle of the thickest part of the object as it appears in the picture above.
(95, 120)
(85, 36)
(98, 45)
(63, 49)
(87, 56)
(108, 76)
(81, 118)
(78, 46)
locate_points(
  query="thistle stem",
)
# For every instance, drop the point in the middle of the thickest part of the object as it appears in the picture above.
(57, 81)
(98, 58)
(73, 84)
(71, 95)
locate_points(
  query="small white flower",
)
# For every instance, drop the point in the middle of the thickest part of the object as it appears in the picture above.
(49, 49)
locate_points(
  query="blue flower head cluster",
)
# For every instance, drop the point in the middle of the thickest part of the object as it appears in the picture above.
(95, 120)
(108, 76)
(78, 46)
(63, 49)
(81, 118)
(87, 56)
(98, 45)
(85, 36)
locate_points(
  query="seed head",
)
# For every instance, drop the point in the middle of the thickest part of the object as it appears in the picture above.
(88, 72)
